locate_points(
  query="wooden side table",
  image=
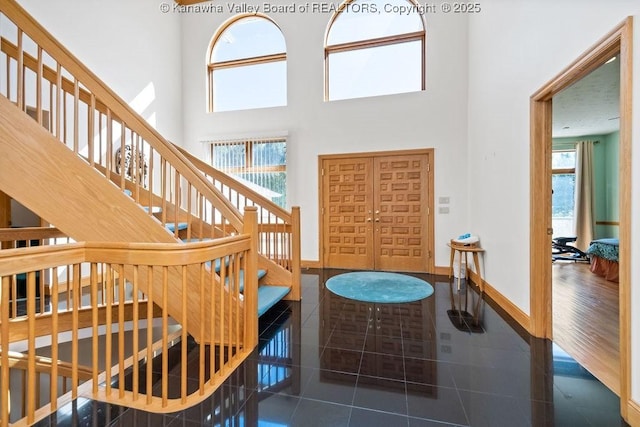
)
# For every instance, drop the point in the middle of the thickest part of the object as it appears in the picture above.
(466, 249)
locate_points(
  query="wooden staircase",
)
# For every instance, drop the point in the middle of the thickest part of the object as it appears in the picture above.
(70, 98)
(78, 156)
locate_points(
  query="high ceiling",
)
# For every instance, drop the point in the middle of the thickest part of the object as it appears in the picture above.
(591, 106)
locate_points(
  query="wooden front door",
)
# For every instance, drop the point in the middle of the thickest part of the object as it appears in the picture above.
(348, 213)
(375, 212)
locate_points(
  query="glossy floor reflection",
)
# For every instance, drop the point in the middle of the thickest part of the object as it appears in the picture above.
(328, 361)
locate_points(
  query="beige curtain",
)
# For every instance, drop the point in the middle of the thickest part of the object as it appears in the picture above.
(583, 208)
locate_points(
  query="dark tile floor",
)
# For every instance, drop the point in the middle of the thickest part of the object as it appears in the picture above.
(329, 361)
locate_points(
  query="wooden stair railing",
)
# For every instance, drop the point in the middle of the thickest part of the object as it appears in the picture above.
(116, 312)
(45, 80)
(80, 202)
(11, 238)
(19, 371)
(279, 230)
(53, 87)
(75, 108)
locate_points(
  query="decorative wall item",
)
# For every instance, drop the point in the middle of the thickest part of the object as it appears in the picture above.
(131, 163)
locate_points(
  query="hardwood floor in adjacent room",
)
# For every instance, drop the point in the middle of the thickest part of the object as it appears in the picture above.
(585, 320)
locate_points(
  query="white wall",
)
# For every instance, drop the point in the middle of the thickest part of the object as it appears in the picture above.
(434, 118)
(506, 68)
(514, 49)
(130, 45)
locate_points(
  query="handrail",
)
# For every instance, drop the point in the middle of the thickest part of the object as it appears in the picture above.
(125, 283)
(232, 315)
(181, 194)
(29, 236)
(227, 180)
(41, 367)
(45, 365)
(93, 124)
(117, 109)
(279, 230)
(29, 233)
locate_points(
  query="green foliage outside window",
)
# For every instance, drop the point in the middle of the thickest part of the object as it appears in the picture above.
(563, 195)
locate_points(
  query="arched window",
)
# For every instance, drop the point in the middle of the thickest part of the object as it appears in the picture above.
(247, 65)
(374, 47)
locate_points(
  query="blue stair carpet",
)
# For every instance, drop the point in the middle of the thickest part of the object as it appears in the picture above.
(171, 226)
(154, 209)
(268, 296)
(261, 274)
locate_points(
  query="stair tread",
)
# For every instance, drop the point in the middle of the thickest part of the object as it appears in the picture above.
(261, 274)
(171, 226)
(269, 295)
(153, 209)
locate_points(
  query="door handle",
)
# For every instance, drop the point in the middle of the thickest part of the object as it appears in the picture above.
(377, 219)
(368, 219)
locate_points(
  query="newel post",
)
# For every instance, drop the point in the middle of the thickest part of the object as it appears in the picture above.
(251, 279)
(4, 354)
(295, 254)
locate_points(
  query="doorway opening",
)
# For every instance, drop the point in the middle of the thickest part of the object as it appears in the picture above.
(617, 42)
(585, 202)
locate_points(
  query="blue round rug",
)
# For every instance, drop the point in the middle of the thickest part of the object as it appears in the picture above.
(379, 287)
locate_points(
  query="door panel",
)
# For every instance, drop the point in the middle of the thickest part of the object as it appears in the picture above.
(400, 233)
(347, 224)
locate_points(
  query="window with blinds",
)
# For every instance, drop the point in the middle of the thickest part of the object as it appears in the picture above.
(260, 164)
